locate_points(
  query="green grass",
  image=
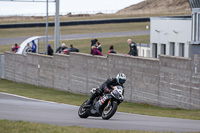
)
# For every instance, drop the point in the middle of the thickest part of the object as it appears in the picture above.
(24, 19)
(41, 93)
(119, 43)
(27, 127)
(76, 99)
(79, 29)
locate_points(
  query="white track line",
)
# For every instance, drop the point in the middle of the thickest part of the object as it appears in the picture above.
(32, 98)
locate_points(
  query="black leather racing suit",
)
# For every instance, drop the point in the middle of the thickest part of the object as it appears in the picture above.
(108, 84)
(133, 49)
(105, 87)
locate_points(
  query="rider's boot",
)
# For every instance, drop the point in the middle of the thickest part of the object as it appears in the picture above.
(90, 101)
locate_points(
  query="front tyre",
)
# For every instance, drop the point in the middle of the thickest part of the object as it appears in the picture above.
(83, 112)
(108, 112)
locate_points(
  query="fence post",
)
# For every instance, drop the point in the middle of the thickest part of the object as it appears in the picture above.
(2, 66)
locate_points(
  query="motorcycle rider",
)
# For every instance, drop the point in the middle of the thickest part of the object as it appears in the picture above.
(107, 86)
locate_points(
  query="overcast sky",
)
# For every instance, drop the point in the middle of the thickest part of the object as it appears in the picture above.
(17, 8)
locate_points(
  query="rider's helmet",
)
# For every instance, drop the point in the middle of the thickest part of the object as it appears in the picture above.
(121, 78)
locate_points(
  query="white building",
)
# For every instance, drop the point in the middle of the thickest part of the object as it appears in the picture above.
(170, 36)
(195, 37)
(143, 50)
(176, 36)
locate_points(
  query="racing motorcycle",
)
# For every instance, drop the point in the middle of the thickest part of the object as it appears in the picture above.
(103, 106)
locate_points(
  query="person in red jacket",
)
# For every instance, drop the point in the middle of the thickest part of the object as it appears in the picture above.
(111, 50)
(16, 48)
(95, 51)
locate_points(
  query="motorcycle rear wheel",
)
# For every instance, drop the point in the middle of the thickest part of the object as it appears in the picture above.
(108, 113)
(83, 112)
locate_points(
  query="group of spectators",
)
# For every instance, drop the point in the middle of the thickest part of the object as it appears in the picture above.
(65, 50)
(31, 48)
(96, 48)
(62, 49)
(28, 48)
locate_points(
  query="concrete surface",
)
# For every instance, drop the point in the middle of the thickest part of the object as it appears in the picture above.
(16, 108)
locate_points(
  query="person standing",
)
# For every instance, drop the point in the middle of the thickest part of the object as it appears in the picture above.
(93, 43)
(72, 49)
(50, 50)
(98, 45)
(133, 48)
(61, 48)
(16, 47)
(95, 51)
(34, 46)
(28, 48)
(111, 50)
(13, 48)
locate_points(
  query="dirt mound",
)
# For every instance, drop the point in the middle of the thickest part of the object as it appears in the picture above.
(158, 7)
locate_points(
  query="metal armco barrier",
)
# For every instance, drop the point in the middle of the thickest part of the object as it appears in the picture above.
(2, 66)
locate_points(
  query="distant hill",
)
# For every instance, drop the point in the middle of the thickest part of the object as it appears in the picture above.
(158, 7)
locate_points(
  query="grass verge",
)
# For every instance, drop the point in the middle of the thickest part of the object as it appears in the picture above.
(119, 43)
(37, 19)
(78, 29)
(27, 127)
(76, 99)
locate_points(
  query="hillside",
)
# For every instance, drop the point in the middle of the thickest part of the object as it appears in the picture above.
(158, 7)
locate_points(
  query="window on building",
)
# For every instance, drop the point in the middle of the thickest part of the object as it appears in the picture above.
(143, 53)
(172, 49)
(181, 49)
(154, 50)
(198, 27)
(163, 49)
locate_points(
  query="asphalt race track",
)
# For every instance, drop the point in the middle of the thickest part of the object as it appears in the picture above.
(4, 41)
(13, 107)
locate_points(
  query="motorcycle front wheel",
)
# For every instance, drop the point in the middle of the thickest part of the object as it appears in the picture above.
(83, 112)
(108, 112)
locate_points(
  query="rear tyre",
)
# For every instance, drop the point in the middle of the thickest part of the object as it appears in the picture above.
(83, 112)
(109, 112)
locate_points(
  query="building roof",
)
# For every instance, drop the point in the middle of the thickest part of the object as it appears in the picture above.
(194, 3)
(172, 18)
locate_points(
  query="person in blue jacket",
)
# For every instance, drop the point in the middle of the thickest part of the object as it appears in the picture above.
(33, 46)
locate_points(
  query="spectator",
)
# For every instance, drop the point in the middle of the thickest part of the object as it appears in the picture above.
(13, 48)
(28, 48)
(61, 48)
(16, 47)
(72, 49)
(66, 51)
(133, 48)
(98, 45)
(95, 51)
(93, 43)
(50, 50)
(34, 46)
(111, 50)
